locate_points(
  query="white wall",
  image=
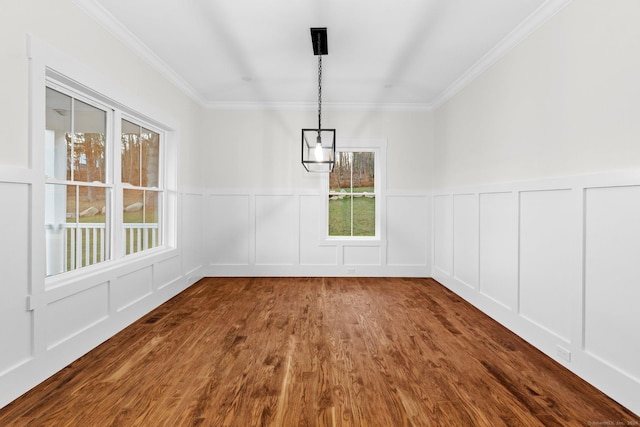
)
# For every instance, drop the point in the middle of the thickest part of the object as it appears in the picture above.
(43, 328)
(263, 211)
(563, 102)
(260, 148)
(537, 176)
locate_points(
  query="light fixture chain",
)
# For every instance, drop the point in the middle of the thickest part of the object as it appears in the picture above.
(319, 93)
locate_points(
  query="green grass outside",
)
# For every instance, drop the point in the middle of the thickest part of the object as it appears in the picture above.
(364, 217)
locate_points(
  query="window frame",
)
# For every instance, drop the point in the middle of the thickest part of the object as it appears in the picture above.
(47, 64)
(379, 147)
(121, 186)
(115, 238)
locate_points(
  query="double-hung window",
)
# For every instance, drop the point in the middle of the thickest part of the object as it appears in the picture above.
(141, 194)
(352, 195)
(78, 191)
(104, 195)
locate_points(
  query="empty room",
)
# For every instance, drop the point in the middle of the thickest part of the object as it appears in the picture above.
(320, 212)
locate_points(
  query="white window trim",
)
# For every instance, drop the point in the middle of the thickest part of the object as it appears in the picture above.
(47, 64)
(378, 146)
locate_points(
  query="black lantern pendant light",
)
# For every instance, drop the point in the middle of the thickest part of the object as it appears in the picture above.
(319, 145)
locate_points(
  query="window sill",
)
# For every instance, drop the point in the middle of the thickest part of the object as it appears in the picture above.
(104, 271)
(353, 241)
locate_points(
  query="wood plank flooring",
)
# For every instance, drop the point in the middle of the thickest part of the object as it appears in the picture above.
(315, 352)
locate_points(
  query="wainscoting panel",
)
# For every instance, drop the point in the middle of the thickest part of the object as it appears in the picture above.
(547, 252)
(191, 238)
(443, 233)
(499, 248)
(311, 233)
(167, 272)
(361, 256)
(612, 280)
(465, 239)
(16, 323)
(284, 236)
(226, 229)
(407, 230)
(131, 288)
(559, 264)
(276, 230)
(68, 316)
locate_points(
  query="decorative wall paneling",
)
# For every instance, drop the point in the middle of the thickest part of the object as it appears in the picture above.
(44, 328)
(556, 261)
(258, 233)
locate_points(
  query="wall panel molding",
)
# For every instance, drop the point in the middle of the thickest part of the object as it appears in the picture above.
(558, 265)
(279, 233)
(54, 325)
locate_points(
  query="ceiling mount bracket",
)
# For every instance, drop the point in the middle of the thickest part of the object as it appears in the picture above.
(319, 41)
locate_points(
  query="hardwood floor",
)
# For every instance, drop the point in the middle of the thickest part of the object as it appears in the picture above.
(315, 352)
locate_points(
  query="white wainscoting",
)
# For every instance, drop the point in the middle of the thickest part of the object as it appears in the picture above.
(258, 233)
(44, 328)
(276, 221)
(498, 246)
(16, 323)
(556, 261)
(612, 277)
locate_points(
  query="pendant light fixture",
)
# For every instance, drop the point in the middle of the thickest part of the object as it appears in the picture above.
(319, 145)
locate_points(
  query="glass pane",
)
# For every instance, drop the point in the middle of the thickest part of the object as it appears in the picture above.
(74, 139)
(340, 215)
(364, 216)
(91, 235)
(363, 172)
(150, 158)
(130, 153)
(88, 143)
(57, 140)
(340, 177)
(75, 227)
(140, 155)
(60, 207)
(151, 207)
(141, 218)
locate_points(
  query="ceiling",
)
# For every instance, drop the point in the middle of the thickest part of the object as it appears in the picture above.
(409, 53)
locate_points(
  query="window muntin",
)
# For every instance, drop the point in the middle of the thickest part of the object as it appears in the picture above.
(352, 195)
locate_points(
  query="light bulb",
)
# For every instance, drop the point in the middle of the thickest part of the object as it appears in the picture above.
(317, 152)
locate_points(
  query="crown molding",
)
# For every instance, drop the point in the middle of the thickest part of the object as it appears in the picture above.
(113, 26)
(534, 21)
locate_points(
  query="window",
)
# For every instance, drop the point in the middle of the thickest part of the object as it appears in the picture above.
(141, 196)
(88, 173)
(77, 192)
(353, 194)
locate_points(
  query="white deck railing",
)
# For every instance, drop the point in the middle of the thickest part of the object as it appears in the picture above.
(139, 237)
(85, 243)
